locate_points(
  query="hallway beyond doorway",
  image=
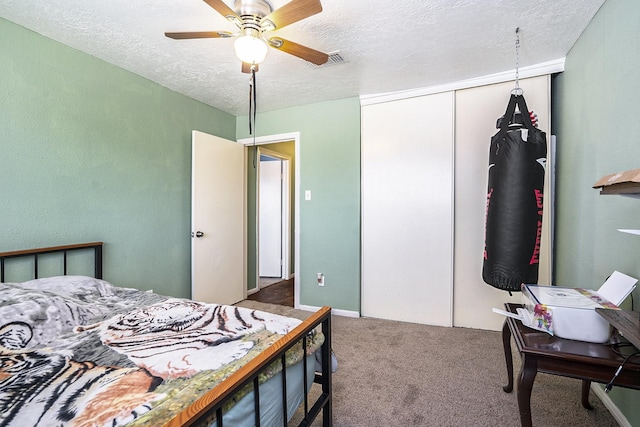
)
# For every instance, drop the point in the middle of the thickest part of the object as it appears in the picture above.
(280, 293)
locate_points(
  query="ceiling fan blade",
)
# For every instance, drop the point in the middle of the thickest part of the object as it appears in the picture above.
(291, 12)
(224, 10)
(246, 68)
(199, 35)
(295, 49)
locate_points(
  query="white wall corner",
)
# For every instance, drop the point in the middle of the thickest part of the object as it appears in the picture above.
(608, 403)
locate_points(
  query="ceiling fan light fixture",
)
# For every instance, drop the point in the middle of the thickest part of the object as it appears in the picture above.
(250, 48)
(254, 18)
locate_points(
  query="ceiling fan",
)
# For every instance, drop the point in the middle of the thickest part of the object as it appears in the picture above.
(255, 19)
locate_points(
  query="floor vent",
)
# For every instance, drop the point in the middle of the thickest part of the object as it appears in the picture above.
(335, 58)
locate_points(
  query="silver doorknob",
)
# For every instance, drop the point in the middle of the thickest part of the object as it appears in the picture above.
(197, 234)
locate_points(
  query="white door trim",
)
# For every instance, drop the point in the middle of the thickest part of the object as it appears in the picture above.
(284, 137)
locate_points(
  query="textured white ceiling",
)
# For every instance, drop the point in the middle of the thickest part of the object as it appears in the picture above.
(389, 45)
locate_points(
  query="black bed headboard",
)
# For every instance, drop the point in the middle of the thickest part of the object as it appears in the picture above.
(34, 253)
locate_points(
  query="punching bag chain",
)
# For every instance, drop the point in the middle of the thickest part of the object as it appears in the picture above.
(517, 90)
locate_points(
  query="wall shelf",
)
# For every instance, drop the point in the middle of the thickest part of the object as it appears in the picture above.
(632, 190)
(623, 183)
(624, 189)
(627, 322)
(628, 230)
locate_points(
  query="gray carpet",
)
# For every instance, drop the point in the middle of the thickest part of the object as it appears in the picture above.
(403, 374)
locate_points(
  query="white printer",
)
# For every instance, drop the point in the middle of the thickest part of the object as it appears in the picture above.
(570, 312)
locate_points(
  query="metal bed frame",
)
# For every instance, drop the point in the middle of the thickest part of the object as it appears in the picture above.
(34, 253)
(209, 406)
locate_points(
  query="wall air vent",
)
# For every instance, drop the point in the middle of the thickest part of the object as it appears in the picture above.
(335, 58)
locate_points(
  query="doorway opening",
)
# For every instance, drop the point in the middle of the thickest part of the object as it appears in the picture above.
(286, 148)
(273, 195)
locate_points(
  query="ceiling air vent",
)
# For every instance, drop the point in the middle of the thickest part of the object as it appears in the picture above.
(335, 58)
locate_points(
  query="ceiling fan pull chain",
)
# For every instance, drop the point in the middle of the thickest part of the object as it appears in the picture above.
(251, 103)
(255, 102)
(253, 109)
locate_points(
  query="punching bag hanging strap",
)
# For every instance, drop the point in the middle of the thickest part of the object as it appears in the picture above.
(526, 118)
(511, 108)
(508, 115)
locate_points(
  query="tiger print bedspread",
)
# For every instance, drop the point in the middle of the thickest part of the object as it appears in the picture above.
(78, 351)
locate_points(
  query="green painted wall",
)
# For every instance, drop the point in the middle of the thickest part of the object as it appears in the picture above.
(93, 152)
(329, 162)
(596, 106)
(89, 151)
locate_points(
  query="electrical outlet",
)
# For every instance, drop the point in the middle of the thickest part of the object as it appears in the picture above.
(320, 279)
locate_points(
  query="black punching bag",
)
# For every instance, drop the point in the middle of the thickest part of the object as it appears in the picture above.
(513, 222)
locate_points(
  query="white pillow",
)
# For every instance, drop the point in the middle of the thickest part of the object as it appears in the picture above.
(70, 285)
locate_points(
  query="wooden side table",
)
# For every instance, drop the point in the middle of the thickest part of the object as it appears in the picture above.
(545, 353)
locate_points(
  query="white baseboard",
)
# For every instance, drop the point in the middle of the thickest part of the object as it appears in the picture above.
(336, 311)
(608, 403)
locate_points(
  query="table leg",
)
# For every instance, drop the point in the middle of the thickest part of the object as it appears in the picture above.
(525, 384)
(586, 387)
(506, 342)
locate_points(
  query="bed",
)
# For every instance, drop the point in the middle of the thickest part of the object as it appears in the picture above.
(77, 350)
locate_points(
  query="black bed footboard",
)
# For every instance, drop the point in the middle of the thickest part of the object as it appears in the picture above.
(323, 402)
(210, 405)
(34, 253)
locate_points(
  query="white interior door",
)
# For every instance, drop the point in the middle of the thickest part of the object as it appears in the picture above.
(270, 217)
(407, 210)
(218, 194)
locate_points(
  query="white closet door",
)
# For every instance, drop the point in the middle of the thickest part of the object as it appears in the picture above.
(270, 218)
(477, 110)
(407, 209)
